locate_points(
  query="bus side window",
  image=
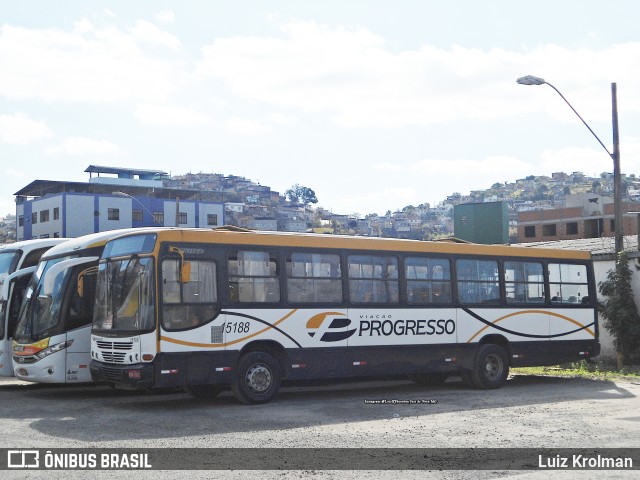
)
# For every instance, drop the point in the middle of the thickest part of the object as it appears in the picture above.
(253, 277)
(190, 304)
(568, 283)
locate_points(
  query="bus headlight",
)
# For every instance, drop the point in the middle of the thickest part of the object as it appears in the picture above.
(53, 349)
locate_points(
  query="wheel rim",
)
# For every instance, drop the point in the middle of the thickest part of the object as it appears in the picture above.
(493, 367)
(258, 378)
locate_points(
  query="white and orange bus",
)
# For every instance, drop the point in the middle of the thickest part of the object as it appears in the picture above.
(212, 309)
(17, 264)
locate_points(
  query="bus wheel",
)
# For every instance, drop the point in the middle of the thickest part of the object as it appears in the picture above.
(257, 378)
(436, 378)
(203, 391)
(491, 368)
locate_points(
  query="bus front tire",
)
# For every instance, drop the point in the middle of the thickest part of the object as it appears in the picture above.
(258, 378)
(490, 370)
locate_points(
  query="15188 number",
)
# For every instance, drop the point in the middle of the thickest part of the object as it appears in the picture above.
(236, 327)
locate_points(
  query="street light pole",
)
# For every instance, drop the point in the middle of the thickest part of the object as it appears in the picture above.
(615, 156)
(617, 180)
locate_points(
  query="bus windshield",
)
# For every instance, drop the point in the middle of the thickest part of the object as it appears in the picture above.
(125, 295)
(8, 262)
(40, 312)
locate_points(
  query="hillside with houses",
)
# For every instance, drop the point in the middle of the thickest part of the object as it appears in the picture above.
(251, 205)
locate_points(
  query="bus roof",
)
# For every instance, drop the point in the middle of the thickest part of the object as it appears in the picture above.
(91, 240)
(28, 245)
(344, 242)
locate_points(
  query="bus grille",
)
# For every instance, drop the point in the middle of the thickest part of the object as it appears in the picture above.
(113, 357)
(103, 345)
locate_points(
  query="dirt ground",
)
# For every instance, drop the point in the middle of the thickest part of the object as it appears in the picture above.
(528, 412)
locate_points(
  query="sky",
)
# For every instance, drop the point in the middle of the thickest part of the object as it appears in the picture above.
(375, 105)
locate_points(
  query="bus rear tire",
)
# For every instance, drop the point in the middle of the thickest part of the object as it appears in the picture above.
(490, 370)
(436, 378)
(203, 391)
(258, 378)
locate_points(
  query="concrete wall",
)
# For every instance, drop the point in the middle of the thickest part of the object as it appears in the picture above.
(601, 269)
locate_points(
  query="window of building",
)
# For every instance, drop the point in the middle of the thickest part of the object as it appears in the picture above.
(212, 219)
(572, 228)
(549, 230)
(182, 218)
(21, 221)
(530, 231)
(56, 213)
(428, 280)
(158, 217)
(253, 277)
(34, 218)
(478, 281)
(373, 279)
(136, 216)
(612, 225)
(314, 278)
(44, 216)
(56, 234)
(113, 214)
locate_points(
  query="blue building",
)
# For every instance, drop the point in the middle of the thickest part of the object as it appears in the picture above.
(131, 198)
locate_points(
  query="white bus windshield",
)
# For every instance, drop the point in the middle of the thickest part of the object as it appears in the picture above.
(40, 312)
(125, 295)
(8, 262)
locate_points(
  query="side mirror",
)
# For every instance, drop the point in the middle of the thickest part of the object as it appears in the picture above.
(81, 286)
(185, 272)
(88, 271)
(185, 266)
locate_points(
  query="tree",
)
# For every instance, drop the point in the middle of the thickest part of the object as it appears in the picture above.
(620, 312)
(299, 194)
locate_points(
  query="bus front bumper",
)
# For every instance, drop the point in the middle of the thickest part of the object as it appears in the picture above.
(139, 375)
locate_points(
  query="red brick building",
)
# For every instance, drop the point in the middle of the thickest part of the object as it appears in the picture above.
(585, 216)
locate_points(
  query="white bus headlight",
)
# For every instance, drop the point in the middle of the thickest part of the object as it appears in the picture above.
(53, 349)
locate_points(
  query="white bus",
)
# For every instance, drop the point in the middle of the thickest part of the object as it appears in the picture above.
(212, 309)
(52, 339)
(17, 263)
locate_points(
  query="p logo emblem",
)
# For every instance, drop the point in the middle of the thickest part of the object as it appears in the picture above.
(329, 327)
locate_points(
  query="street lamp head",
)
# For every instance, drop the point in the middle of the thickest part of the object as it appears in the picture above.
(121, 194)
(530, 80)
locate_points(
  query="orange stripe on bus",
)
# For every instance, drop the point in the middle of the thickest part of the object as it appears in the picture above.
(218, 345)
(543, 312)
